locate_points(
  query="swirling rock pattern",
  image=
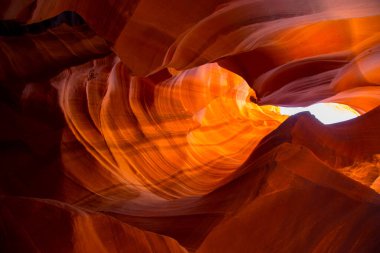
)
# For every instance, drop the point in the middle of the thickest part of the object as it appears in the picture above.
(153, 126)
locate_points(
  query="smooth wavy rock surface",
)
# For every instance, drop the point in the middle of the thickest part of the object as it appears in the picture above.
(154, 126)
(37, 222)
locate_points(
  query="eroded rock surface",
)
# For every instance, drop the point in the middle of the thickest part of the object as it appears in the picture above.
(153, 126)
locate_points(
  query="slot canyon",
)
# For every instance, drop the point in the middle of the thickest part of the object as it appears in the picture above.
(214, 126)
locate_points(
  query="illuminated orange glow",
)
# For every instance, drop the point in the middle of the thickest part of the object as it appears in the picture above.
(367, 173)
(199, 126)
(172, 127)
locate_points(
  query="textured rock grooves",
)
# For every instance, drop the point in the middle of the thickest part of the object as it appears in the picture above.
(153, 126)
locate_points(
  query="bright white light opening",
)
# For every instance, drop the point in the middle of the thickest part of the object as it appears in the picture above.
(327, 113)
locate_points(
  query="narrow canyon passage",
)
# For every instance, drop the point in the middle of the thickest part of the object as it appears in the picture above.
(190, 126)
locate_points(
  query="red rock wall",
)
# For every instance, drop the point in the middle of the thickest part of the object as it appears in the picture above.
(153, 126)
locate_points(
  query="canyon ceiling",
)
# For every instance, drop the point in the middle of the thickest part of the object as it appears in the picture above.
(154, 126)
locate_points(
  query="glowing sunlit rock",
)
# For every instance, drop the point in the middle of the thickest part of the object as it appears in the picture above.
(198, 125)
(164, 126)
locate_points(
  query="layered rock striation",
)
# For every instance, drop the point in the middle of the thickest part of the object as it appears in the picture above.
(154, 126)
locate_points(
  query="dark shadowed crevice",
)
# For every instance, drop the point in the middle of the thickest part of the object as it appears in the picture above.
(15, 28)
